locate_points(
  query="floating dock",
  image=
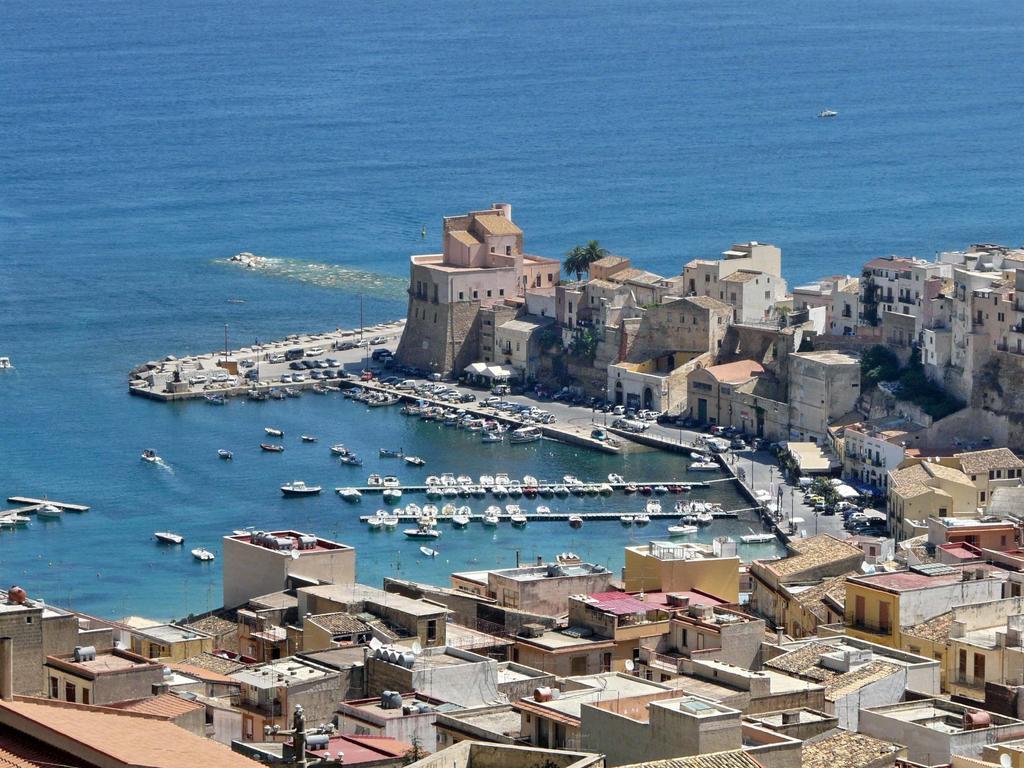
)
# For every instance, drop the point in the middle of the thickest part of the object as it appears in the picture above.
(31, 505)
(533, 517)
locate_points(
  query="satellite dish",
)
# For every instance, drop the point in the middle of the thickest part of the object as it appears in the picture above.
(1005, 760)
(630, 666)
(295, 554)
(375, 643)
(417, 648)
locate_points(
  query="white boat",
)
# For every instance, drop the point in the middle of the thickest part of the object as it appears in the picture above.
(756, 538)
(429, 511)
(5, 362)
(605, 489)
(641, 520)
(339, 450)
(487, 436)
(349, 494)
(661, 490)
(518, 520)
(615, 479)
(529, 481)
(375, 481)
(428, 551)
(499, 491)
(203, 555)
(448, 510)
(476, 490)
(225, 454)
(16, 519)
(150, 455)
(515, 488)
(626, 519)
(513, 509)
(166, 537)
(704, 518)
(274, 432)
(704, 466)
(415, 461)
(392, 495)
(308, 438)
(389, 521)
(374, 523)
(464, 481)
(492, 516)
(571, 480)
(433, 480)
(561, 490)
(682, 530)
(575, 521)
(299, 488)
(486, 480)
(502, 479)
(826, 113)
(525, 435)
(450, 492)
(391, 482)
(653, 507)
(49, 510)
(422, 533)
(460, 520)
(543, 510)
(413, 510)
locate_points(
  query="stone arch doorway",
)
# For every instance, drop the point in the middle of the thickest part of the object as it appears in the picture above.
(618, 393)
(648, 398)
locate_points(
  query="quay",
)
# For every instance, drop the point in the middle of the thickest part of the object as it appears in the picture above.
(30, 505)
(546, 486)
(730, 514)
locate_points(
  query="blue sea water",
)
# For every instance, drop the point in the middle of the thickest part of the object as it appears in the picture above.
(141, 144)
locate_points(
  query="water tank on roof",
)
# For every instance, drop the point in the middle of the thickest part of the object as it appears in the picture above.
(976, 719)
(391, 700)
(307, 541)
(423, 707)
(317, 741)
(85, 653)
(542, 694)
(17, 595)
(408, 659)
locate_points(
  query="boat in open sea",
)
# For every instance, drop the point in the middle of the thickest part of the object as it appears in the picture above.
(422, 532)
(225, 454)
(273, 432)
(202, 555)
(150, 455)
(166, 537)
(299, 488)
(271, 447)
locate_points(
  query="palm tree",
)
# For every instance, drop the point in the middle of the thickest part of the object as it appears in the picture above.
(578, 260)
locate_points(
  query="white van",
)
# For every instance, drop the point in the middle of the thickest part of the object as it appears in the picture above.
(277, 357)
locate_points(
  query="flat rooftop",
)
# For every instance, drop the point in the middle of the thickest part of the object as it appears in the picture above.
(107, 661)
(539, 572)
(351, 594)
(589, 689)
(940, 575)
(170, 633)
(283, 673)
(556, 640)
(296, 537)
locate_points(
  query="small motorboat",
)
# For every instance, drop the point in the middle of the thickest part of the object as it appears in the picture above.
(488, 436)
(756, 538)
(631, 488)
(428, 512)
(49, 510)
(605, 489)
(428, 551)
(16, 519)
(390, 481)
(499, 491)
(615, 479)
(166, 537)
(529, 481)
(626, 519)
(682, 530)
(546, 491)
(292, 392)
(308, 438)
(704, 517)
(525, 435)
(349, 494)
(515, 488)
(202, 555)
(422, 532)
(543, 510)
(389, 521)
(215, 399)
(352, 460)
(828, 113)
(277, 394)
(641, 520)
(518, 521)
(492, 516)
(660, 490)
(150, 455)
(225, 454)
(274, 432)
(392, 495)
(460, 521)
(575, 521)
(272, 448)
(387, 453)
(645, 490)
(299, 488)
(448, 510)
(376, 522)
(375, 481)
(704, 466)
(415, 461)
(338, 449)
(653, 507)
(561, 491)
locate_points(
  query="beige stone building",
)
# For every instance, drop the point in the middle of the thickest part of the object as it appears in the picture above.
(482, 264)
(710, 391)
(823, 387)
(703, 277)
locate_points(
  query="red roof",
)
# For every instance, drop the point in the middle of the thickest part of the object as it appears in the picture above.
(363, 749)
(961, 551)
(619, 603)
(696, 597)
(733, 373)
(164, 705)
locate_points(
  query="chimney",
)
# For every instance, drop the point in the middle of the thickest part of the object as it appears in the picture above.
(779, 634)
(6, 669)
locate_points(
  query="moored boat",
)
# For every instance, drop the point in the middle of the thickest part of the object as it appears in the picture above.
(299, 488)
(428, 551)
(202, 555)
(225, 454)
(166, 537)
(415, 461)
(422, 532)
(641, 520)
(349, 494)
(575, 521)
(271, 447)
(682, 530)
(274, 432)
(49, 510)
(704, 466)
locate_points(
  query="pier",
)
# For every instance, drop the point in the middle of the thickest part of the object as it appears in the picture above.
(477, 517)
(30, 505)
(545, 487)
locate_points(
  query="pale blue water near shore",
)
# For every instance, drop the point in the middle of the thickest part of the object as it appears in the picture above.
(141, 144)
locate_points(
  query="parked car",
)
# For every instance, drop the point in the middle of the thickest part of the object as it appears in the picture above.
(298, 376)
(277, 357)
(346, 345)
(381, 354)
(314, 351)
(737, 444)
(296, 366)
(246, 363)
(286, 378)
(377, 340)
(619, 410)
(366, 376)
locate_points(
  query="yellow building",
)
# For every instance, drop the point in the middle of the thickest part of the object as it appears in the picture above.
(169, 642)
(919, 490)
(988, 470)
(668, 567)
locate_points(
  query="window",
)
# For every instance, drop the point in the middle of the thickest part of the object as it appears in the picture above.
(606, 662)
(460, 296)
(508, 250)
(979, 668)
(501, 292)
(85, 695)
(54, 688)
(707, 278)
(432, 631)
(551, 277)
(488, 294)
(492, 249)
(884, 624)
(69, 692)
(578, 665)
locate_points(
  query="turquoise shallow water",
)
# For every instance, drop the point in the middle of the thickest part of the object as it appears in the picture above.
(141, 145)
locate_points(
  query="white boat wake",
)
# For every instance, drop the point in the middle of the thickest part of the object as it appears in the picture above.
(323, 275)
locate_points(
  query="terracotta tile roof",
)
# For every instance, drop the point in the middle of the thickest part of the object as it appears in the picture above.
(117, 738)
(983, 461)
(338, 623)
(610, 261)
(812, 597)
(736, 758)
(935, 629)
(733, 373)
(214, 663)
(840, 685)
(164, 705)
(497, 225)
(844, 749)
(741, 276)
(206, 675)
(707, 302)
(20, 751)
(464, 237)
(212, 625)
(813, 553)
(796, 662)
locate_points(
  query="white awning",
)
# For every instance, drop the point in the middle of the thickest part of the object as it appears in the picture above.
(476, 368)
(846, 492)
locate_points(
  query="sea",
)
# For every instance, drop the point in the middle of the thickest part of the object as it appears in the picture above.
(142, 144)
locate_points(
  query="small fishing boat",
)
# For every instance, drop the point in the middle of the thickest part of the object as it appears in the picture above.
(375, 522)
(525, 435)
(704, 517)
(460, 520)
(299, 488)
(515, 488)
(653, 507)
(150, 455)
(338, 449)
(499, 491)
(428, 551)
(626, 519)
(429, 511)
(277, 394)
(415, 461)
(518, 520)
(641, 520)
(387, 453)
(543, 510)
(660, 490)
(615, 479)
(202, 555)
(489, 436)
(704, 466)
(256, 395)
(682, 530)
(274, 432)
(422, 532)
(319, 389)
(491, 519)
(292, 392)
(225, 454)
(309, 438)
(530, 481)
(351, 460)
(756, 538)
(389, 521)
(605, 489)
(349, 494)
(166, 537)
(631, 488)
(271, 448)
(49, 510)
(828, 113)
(215, 399)
(390, 481)
(575, 521)
(375, 481)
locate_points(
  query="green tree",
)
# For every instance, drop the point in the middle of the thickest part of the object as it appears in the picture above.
(578, 260)
(877, 364)
(584, 343)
